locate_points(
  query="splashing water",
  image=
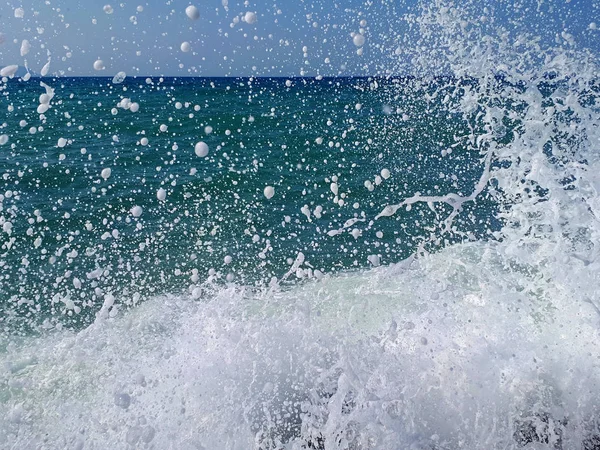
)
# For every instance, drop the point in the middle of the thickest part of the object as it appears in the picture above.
(311, 263)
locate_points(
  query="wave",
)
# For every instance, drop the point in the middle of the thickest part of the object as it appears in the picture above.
(487, 343)
(451, 350)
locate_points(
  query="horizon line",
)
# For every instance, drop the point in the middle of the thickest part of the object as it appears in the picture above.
(299, 77)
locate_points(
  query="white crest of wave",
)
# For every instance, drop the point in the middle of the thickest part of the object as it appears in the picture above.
(454, 349)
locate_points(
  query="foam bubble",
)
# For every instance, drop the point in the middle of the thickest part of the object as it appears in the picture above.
(201, 149)
(136, 211)
(9, 71)
(45, 69)
(25, 47)
(192, 12)
(250, 17)
(358, 40)
(119, 78)
(98, 64)
(269, 192)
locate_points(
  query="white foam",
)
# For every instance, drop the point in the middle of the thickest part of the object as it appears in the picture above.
(201, 149)
(119, 78)
(25, 47)
(250, 17)
(45, 69)
(363, 353)
(136, 211)
(185, 47)
(9, 71)
(358, 40)
(192, 12)
(98, 64)
(269, 192)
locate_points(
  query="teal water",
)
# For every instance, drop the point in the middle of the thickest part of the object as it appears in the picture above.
(74, 237)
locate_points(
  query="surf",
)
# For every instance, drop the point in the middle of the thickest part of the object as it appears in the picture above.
(482, 335)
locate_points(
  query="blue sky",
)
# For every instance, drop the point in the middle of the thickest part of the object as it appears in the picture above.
(75, 33)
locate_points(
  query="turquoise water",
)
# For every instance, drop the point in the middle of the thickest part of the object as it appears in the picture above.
(295, 138)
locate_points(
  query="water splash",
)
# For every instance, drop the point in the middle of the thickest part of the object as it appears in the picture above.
(484, 337)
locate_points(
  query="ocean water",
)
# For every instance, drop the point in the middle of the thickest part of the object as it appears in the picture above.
(309, 141)
(385, 262)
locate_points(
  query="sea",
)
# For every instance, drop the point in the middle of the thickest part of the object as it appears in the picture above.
(375, 262)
